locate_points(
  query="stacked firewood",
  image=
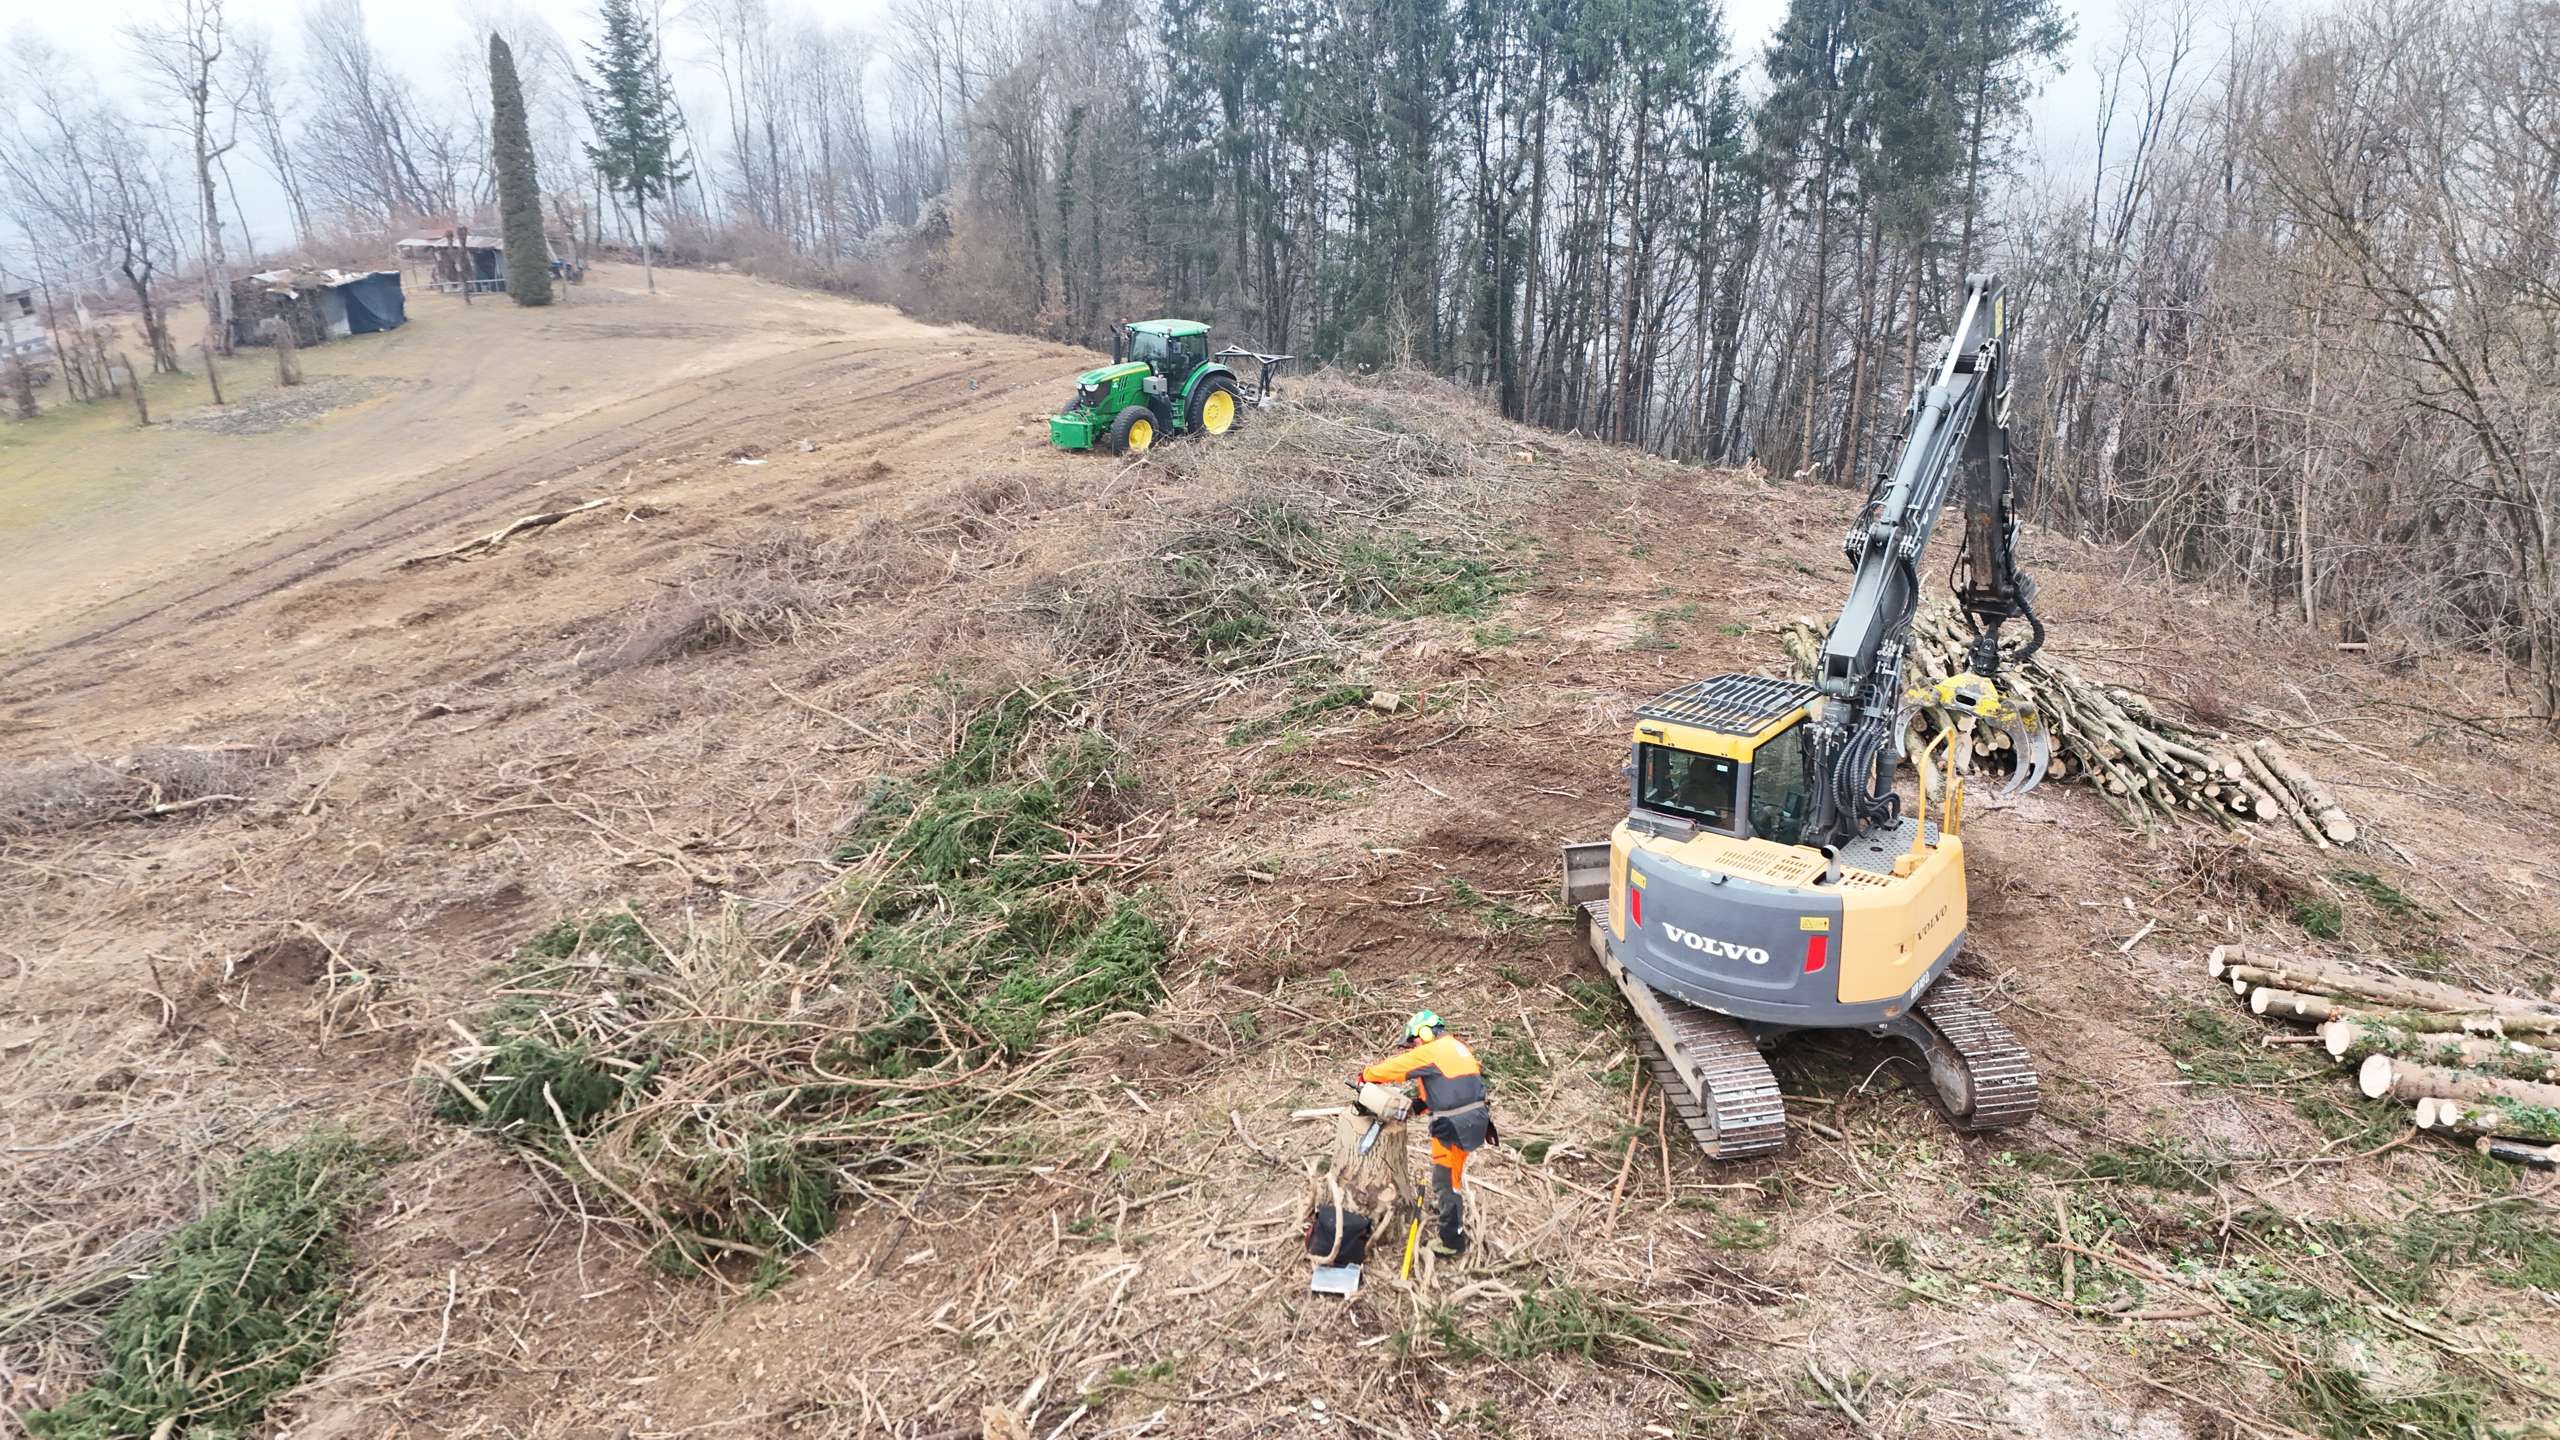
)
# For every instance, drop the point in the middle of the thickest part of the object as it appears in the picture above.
(2470, 1063)
(2146, 763)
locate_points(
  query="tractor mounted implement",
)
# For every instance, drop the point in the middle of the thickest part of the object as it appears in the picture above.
(1161, 381)
(1765, 879)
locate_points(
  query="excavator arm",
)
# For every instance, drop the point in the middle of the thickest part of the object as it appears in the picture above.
(1954, 448)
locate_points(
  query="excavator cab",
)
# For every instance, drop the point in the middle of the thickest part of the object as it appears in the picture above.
(1729, 756)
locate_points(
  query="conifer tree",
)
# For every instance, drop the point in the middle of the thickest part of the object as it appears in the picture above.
(631, 104)
(519, 194)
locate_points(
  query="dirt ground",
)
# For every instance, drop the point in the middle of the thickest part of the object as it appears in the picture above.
(426, 765)
(466, 410)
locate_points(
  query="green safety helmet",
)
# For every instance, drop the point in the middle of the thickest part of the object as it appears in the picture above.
(1423, 1025)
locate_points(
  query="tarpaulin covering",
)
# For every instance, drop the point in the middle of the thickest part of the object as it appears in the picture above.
(374, 303)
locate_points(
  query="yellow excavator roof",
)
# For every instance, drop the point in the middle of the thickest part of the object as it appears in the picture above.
(1724, 715)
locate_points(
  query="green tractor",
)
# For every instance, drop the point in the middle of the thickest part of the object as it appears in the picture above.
(1165, 382)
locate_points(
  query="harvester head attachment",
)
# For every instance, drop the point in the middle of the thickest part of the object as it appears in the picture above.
(2029, 737)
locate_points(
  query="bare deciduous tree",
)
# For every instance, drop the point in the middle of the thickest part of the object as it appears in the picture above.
(181, 57)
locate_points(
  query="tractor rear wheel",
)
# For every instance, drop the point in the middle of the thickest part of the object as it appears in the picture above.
(1213, 407)
(1131, 432)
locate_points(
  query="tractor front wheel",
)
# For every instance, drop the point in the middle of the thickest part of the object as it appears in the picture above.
(1213, 407)
(1132, 432)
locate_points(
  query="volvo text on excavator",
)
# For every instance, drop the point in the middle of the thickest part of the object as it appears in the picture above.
(1766, 878)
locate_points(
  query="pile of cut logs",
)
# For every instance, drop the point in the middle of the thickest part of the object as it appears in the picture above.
(2146, 763)
(2470, 1063)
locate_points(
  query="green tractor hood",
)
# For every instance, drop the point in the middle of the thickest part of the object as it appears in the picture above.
(1105, 374)
(1101, 393)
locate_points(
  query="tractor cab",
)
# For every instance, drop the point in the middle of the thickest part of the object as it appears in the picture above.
(1170, 348)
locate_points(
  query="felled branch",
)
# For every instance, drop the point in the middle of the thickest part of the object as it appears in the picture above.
(490, 542)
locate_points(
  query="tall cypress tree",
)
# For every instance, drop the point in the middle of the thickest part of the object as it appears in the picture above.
(519, 194)
(632, 106)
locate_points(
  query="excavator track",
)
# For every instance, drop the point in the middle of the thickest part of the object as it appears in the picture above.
(1741, 1113)
(1981, 1074)
(1732, 1108)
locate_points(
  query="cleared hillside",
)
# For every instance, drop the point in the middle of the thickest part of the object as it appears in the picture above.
(948, 862)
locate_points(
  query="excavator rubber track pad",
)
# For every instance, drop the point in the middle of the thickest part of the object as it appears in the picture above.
(1742, 1113)
(1999, 1089)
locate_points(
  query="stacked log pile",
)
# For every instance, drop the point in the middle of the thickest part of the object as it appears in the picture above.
(2145, 762)
(2469, 1063)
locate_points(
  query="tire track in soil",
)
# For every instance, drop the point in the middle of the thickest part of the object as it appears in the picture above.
(731, 404)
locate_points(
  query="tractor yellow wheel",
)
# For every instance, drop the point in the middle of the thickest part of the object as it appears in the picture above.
(1132, 430)
(1218, 413)
(1213, 407)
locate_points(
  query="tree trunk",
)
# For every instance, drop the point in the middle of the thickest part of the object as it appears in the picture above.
(22, 388)
(2333, 819)
(648, 272)
(141, 407)
(1536, 256)
(2387, 1077)
(1845, 456)
(2461, 1117)
(288, 361)
(2326, 978)
(217, 269)
(2519, 1152)
(2302, 492)
(2356, 1040)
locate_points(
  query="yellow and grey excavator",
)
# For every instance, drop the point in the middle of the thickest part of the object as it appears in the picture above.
(1766, 879)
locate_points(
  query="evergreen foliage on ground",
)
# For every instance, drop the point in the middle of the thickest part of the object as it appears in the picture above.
(732, 1084)
(238, 1307)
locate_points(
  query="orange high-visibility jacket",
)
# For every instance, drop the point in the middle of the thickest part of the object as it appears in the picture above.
(1445, 1068)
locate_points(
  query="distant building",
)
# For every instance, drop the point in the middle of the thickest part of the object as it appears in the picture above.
(22, 333)
(320, 305)
(477, 262)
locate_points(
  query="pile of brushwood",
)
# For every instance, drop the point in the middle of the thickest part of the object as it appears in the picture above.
(729, 1087)
(2145, 762)
(2454, 1054)
(1298, 539)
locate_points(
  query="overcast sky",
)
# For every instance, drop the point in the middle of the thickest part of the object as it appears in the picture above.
(426, 40)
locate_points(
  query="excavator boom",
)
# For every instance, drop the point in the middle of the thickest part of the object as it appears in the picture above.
(1954, 447)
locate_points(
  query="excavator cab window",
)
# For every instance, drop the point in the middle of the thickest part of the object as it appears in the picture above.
(1690, 786)
(1782, 786)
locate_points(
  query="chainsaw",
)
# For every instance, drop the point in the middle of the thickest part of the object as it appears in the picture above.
(1384, 1105)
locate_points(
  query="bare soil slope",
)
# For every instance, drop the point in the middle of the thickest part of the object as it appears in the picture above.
(466, 410)
(686, 702)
